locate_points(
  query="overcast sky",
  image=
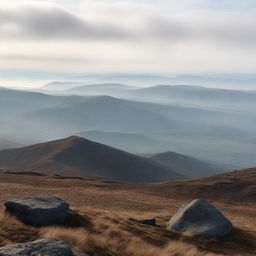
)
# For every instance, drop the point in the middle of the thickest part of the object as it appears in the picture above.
(129, 35)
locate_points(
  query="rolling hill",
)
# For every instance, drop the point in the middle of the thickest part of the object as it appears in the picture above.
(106, 214)
(104, 113)
(236, 186)
(75, 155)
(186, 165)
(16, 102)
(211, 98)
(60, 86)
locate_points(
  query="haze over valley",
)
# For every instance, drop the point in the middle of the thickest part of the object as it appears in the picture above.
(215, 125)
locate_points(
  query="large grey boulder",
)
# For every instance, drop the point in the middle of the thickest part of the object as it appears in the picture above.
(39, 210)
(199, 217)
(41, 247)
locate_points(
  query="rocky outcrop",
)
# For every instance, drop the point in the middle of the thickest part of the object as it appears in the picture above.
(39, 210)
(199, 217)
(39, 248)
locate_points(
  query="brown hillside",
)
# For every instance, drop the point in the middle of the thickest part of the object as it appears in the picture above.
(105, 225)
(80, 156)
(233, 186)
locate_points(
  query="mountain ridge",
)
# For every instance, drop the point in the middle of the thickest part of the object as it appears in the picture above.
(76, 155)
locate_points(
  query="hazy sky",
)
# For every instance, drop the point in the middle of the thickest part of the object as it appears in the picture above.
(128, 35)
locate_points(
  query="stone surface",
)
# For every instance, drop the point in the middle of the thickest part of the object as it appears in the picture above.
(38, 248)
(39, 210)
(43, 247)
(199, 217)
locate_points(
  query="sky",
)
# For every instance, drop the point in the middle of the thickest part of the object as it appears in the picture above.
(75, 36)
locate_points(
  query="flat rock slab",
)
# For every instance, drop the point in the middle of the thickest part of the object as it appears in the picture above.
(43, 247)
(39, 210)
(199, 217)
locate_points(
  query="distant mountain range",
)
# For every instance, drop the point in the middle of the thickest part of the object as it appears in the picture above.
(60, 86)
(221, 135)
(113, 89)
(215, 98)
(78, 156)
(104, 112)
(228, 81)
(186, 95)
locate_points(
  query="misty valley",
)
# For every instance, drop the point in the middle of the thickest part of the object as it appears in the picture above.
(213, 125)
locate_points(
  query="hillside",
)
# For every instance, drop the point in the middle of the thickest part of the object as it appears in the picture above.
(228, 187)
(186, 165)
(75, 155)
(104, 223)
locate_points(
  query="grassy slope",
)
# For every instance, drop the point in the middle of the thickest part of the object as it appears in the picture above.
(104, 225)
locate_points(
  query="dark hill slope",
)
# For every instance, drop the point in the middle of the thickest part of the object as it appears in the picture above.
(75, 155)
(186, 165)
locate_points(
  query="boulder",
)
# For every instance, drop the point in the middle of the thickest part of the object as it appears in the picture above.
(199, 217)
(39, 210)
(38, 248)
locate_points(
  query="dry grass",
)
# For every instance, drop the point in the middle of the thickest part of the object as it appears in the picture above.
(13, 231)
(117, 243)
(103, 225)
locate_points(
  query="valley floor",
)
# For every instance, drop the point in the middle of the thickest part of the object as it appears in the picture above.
(106, 212)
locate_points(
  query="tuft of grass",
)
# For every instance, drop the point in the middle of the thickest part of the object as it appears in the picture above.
(13, 231)
(103, 233)
(120, 243)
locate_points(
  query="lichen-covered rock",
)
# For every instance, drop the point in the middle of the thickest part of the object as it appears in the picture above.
(39, 210)
(199, 217)
(43, 247)
(38, 248)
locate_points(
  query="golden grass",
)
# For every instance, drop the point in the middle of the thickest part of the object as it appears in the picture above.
(101, 233)
(103, 225)
(119, 243)
(13, 231)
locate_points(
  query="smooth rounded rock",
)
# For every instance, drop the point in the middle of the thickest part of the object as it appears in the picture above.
(39, 210)
(199, 217)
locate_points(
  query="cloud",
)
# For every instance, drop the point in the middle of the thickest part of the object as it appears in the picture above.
(39, 21)
(132, 35)
(124, 21)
